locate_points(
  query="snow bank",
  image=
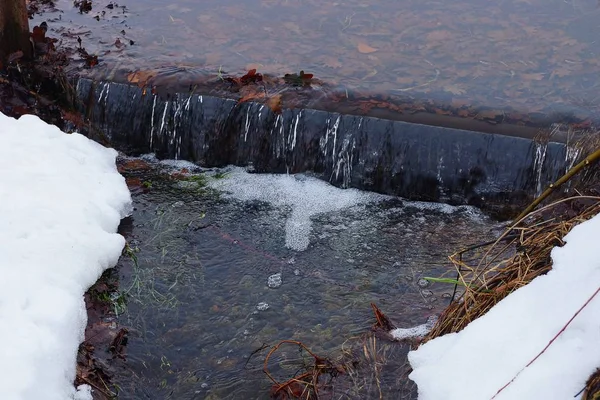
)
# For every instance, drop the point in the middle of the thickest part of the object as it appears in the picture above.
(61, 200)
(476, 362)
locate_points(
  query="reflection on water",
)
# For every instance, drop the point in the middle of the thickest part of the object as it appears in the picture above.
(530, 55)
(196, 308)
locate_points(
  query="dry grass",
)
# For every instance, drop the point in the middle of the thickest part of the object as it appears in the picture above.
(592, 387)
(376, 368)
(521, 254)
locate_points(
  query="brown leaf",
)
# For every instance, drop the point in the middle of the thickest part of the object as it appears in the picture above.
(249, 93)
(365, 48)
(251, 77)
(38, 35)
(533, 77)
(140, 77)
(274, 103)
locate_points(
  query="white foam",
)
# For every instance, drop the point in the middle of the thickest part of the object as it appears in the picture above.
(174, 164)
(418, 331)
(305, 196)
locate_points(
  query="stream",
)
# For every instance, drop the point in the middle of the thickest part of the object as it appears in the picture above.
(227, 261)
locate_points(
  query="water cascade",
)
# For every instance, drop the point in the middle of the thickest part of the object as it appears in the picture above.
(410, 160)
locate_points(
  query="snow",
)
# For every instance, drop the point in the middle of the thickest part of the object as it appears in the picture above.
(481, 359)
(61, 200)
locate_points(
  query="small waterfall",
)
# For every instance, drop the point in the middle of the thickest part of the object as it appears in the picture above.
(538, 165)
(152, 121)
(573, 149)
(410, 160)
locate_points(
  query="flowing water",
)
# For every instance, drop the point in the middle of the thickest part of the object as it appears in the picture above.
(521, 56)
(211, 247)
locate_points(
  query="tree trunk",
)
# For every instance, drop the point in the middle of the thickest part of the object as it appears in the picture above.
(14, 29)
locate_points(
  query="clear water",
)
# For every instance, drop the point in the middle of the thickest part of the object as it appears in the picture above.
(532, 56)
(196, 299)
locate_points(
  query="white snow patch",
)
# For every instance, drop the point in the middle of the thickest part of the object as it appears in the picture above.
(478, 361)
(61, 200)
(306, 196)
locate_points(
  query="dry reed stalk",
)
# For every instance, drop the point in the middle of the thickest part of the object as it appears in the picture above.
(510, 264)
(592, 387)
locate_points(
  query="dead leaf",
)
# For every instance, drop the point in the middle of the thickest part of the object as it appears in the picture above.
(250, 93)
(251, 77)
(140, 77)
(560, 72)
(365, 48)
(533, 77)
(274, 103)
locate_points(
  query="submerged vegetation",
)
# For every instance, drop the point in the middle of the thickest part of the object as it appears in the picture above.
(485, 274)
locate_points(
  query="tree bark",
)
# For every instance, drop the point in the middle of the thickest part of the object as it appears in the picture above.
(14, 29)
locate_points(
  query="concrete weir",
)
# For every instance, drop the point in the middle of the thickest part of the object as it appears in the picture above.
(415, 161)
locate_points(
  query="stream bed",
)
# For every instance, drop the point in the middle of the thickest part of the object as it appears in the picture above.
(227, 261)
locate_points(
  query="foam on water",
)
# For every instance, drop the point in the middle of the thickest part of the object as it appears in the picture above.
(305, 196)
(174, 164)
(418, 331)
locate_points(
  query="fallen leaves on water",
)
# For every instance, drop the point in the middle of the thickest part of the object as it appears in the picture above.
(133, 165)
(300, 79)
(140, 78)
(91, 60)
(491, 116)
(533, 76)
(365, 48)
(274, 103)
(119, 44)
(250, 93)
(250, 77)
(38, 33)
